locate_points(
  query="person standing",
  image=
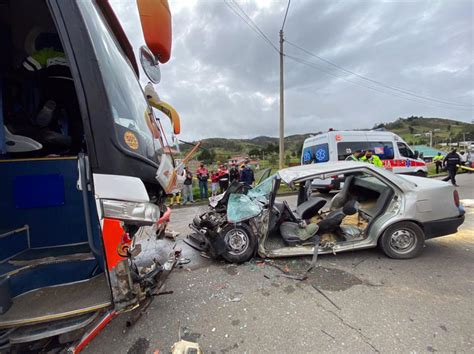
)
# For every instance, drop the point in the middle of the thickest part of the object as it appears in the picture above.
(175, 197)
(355, 156)
(214, 183)
(203, 175)
(188, 187)
(234, 174)
(223, 178)
(451, 161)
(438, 161)
(247, 175)
(370, 157)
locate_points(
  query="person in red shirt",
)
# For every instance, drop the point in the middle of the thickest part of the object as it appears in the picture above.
(214, 182)
(203, 175)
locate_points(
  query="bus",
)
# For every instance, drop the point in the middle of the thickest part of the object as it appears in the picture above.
(83, 172)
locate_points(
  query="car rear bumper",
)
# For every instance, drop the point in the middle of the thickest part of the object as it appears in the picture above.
(443, 227)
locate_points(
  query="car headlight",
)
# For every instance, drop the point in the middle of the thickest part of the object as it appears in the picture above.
(131, 212)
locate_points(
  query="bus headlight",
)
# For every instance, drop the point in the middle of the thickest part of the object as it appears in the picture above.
(131, 212)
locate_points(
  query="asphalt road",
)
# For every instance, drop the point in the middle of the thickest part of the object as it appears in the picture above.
(365, 302)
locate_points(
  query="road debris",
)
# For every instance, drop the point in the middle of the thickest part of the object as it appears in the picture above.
(171, 234)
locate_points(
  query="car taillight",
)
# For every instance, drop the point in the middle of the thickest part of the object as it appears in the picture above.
(456, 198)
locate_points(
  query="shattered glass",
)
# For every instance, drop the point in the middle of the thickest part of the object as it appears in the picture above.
(241, 207)
(263, 190)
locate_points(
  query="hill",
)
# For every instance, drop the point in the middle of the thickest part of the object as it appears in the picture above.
(223, 148)
(412, 129)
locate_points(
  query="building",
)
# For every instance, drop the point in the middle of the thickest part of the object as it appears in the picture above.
(428, 152)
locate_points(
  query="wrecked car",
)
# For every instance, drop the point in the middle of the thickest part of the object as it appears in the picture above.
(374, 207)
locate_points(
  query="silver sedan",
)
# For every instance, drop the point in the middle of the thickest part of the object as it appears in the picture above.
(374, 207)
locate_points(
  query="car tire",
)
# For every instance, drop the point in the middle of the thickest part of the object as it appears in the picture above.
(240, 242)
(421, 174)
(402, 240)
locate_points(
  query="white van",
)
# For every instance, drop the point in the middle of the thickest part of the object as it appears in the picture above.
(395, 153)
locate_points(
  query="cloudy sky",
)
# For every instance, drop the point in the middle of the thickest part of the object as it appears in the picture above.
(223, 78)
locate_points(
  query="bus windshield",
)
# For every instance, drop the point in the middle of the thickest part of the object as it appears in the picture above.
(128, 103)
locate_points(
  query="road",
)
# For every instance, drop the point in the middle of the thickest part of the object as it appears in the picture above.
(366, 302)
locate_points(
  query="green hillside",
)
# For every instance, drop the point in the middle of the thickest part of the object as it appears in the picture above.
(411, 129)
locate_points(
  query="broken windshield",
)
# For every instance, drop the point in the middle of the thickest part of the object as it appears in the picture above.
(242, 207)
(263, 190)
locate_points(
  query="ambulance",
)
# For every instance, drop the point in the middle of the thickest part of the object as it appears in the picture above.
(334, 145)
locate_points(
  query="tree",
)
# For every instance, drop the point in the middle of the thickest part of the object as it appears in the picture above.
(271, 148)
(287, 160)
(272, 159)
(412, 130)
(254, 152)
(293, 154)
(207, 156)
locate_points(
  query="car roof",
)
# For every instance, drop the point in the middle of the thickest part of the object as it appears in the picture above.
(291, 174)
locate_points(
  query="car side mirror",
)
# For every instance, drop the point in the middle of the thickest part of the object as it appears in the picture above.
(417, 154)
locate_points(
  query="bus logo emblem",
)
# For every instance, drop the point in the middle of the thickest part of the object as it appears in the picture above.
(131, 140)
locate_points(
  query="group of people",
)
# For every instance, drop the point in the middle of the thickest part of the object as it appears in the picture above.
(220, 181)
(365, 156)
(222, 178)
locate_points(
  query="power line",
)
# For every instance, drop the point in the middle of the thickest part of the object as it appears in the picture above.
(256, 26)
(394, 88)
(249, 22)
(374, 88)
(286, 14)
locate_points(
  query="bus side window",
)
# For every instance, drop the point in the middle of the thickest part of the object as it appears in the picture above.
(405, 151)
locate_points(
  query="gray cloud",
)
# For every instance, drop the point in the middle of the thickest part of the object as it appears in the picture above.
(224, 79)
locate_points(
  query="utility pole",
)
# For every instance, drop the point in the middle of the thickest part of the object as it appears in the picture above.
(282, 105)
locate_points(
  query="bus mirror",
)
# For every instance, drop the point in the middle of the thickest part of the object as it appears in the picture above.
(150, 65)
(155, 17)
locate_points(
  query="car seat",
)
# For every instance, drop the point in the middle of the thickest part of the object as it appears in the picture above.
(310, 208)
(334, 219)
(296, 233)
(340, 199)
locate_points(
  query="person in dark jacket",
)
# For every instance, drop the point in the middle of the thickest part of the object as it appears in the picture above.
(223, 178)
(234, 173)
(451, 161)
(246, 175)
(188, 187)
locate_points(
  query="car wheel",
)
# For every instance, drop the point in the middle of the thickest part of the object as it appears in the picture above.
(403, 240)
(240, 241)
(421, 174)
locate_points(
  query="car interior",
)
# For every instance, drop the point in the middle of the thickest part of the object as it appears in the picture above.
(47, 267)
(342, 217)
